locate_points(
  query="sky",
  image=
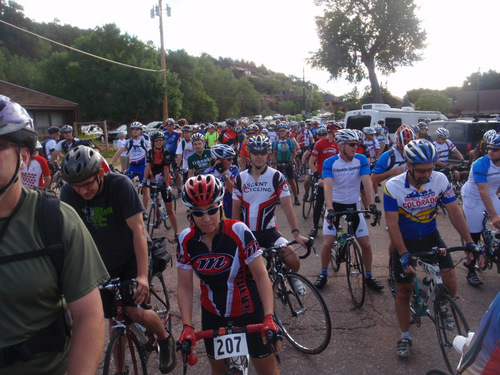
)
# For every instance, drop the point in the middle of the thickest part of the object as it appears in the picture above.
(462, 36)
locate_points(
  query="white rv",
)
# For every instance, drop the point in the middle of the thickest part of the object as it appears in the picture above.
(370, 114)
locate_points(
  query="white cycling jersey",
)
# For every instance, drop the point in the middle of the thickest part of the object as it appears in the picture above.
(444, 150)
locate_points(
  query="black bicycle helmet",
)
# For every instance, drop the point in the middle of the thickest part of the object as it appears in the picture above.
(231, 122)
(53, 130)
(80, 163)
(156, 135)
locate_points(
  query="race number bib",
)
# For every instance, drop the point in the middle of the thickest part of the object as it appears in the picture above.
(230, 345)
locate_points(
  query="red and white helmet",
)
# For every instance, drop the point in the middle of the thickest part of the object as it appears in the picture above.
(202, 190)
(404, 134)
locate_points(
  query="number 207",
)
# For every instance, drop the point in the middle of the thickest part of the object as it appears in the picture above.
(226, 346)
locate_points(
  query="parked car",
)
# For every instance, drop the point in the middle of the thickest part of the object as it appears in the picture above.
(257, 118)
(268, 118)
(94, 131)
(113, 134)
(465, 134)
(153, 126)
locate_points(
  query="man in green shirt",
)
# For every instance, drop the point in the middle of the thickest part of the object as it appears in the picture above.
(200, 160)
(34, 339)
(212, 136)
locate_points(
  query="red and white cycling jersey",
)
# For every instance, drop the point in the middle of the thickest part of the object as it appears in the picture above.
(227, 286)
(259, 198)
(32, 177)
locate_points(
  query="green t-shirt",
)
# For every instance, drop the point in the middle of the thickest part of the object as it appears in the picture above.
(30, 293)
(211, 138)
(199, 163)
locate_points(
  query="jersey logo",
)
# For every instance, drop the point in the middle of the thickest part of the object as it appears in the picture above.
(212, 264)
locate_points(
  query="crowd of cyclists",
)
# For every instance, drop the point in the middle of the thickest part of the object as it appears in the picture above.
(232, 175)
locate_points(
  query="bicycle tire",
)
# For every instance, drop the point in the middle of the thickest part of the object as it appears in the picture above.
(150, 227)
(166, 218)
(334, 254)
(304, 318)
(309, 204)
(160, 302)
(446, 336)
(238, 365)
(120, 343)
(355, 271)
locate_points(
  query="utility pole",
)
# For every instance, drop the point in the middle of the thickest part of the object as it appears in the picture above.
(158, 11)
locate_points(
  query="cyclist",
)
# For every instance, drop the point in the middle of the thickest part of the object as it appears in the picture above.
(410, 204)
(171, 139)
(422, 131)
(225, 171)
(112, 212)
(200, 160)
(284, 153)
(324, 148)
(381, 137)
(342, 176)
(444, 148)
(184, 150)
(228, 136)
(211, 135)
(158, 170)
(244, 160)
(479, 194)
(50, 144)
(66, 144)
(35, 337)
(236, 289)
(255, 195)
(36, 173)
(124, 158)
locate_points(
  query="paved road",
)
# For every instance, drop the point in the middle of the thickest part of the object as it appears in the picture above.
(364, 340)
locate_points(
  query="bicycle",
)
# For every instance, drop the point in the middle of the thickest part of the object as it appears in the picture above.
(346, 249)
(311, 194)
(421, 299)
(131, 345)
(157, 211)
(490, 245)
(56, 181)
(301, 314)
(229, 344)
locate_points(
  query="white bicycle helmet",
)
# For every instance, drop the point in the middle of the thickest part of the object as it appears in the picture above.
(222, 151)
(346, 135)
(443, 133)
(368, 130)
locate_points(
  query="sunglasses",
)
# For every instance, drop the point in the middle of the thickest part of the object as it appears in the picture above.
(422, 171)
(494, 149)
(86, 186)
(352, 144)
(211, 211)
(259, 152)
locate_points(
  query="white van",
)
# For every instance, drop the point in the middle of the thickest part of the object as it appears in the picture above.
(370, 114)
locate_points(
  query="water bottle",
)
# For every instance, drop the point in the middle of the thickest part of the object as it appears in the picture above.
(340, 236)
(426, 282)
(139, 332)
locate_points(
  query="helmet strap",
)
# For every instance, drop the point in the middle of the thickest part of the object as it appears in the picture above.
(15, 176)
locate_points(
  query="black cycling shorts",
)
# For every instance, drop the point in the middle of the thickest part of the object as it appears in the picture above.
(267, 238)
(415, 246)
(286, 169)
(256, 347)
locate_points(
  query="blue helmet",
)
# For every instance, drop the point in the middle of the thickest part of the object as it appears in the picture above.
(222, 151)
(494, 140)
(420, 151)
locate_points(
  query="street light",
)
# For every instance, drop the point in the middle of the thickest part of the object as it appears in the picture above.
(156, 10)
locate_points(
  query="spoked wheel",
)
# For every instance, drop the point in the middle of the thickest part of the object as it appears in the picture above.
(124, 355)
(302, 314)
(446, 332)
(355, 270)
(159, 300)
(164, 216)
(238, 365)
(335, 257)
(307, 205)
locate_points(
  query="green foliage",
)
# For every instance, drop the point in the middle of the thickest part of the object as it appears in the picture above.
(433, 101)
(359, 37)
(487, 81)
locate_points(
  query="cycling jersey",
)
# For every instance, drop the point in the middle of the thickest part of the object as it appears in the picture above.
(158, 159)
(171, 140)
(211, 138)
(50, 145)
(417, 207)
(444, 150)
(322, 150)
(389, 160)
(185, 148)
(304, 138)
(483, 170)
(229, 137)
(65, 146)
(372, 146)
(32, 177)
(258, 198)
(346, 177)
(227, 286)
(199, 163)
(284, 150)
(272, 135)
(137, 150)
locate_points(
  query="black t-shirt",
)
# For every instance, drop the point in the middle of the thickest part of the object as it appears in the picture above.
(105, 217)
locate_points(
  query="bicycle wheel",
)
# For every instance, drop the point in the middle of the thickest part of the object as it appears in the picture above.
(335, 257)
(446, 334)
(159, 300)
(302, 314)
(150, 227)
(124, 355)
(308, 204)
(164, 216)
(355, 271)
(237, 365)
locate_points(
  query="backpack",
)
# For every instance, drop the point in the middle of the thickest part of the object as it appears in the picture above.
(392, 163)
(131, 144)
(42, 151)
(49, 220)
(159, 254)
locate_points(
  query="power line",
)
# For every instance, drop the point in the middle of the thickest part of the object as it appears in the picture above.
(80, 51)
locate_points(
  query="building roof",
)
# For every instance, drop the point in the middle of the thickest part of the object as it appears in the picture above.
(33, 100)
(467, 103)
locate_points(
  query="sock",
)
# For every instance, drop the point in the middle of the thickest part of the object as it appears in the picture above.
(324, 271)
(405, 335)
(368, 274)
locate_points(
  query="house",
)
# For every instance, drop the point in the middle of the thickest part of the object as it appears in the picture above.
(470, 103)
(45, 110)
(332, 104)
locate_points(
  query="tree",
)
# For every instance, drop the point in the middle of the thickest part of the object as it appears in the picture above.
(360, 36)
(433, 101)
(487, 81)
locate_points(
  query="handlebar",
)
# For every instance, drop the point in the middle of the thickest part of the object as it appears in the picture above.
(352, 212)
(441, 251)
(309, 245)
